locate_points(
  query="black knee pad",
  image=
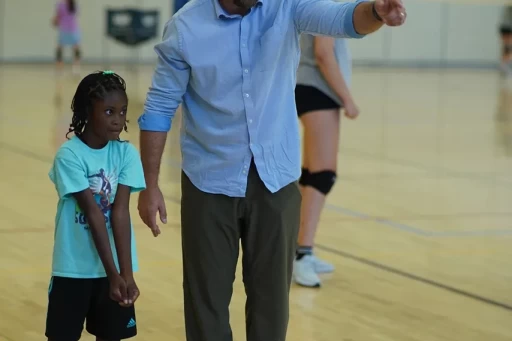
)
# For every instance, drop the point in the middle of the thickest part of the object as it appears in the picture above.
(58, 54)
(304, 177)
(321, 181)
(78, 54)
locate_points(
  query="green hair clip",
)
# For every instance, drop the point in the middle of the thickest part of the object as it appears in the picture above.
(108, 72)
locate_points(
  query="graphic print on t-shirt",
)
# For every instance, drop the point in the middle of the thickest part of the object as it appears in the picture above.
(103, 185)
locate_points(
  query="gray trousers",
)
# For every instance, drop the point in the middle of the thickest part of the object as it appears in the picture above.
(213, 225)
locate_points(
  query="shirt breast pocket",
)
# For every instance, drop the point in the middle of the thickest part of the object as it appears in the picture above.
(270, 48)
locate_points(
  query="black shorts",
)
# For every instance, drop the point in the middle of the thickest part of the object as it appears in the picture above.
(309, 98)
(505, 30)
(73, 301)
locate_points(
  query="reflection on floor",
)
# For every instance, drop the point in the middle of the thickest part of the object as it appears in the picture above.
(418, 225)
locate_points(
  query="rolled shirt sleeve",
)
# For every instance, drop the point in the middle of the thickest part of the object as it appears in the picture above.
(169, 82)
(326, 17)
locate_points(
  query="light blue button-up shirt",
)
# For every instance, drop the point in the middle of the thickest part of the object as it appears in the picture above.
(235, 76)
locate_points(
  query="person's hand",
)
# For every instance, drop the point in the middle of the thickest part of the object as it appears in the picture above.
(151, 200)
(132, 292)
(118, 289)
(392, 12)
(351, 110)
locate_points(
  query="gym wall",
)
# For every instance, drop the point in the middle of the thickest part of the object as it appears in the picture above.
(438, 33)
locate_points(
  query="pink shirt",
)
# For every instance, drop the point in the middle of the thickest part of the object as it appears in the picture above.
(67, 20)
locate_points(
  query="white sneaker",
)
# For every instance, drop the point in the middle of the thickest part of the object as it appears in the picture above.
(322, 267)
(304, 272)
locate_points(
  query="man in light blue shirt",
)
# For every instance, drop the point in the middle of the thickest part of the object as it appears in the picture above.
(232, 64)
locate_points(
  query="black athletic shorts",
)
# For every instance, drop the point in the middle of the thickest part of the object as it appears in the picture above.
(505, 30)
(73, 301)
(309, 98)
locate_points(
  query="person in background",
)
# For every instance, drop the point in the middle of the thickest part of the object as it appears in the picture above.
(66, 21)
(323, 80)
(503, 117)
(233, 64)
(506, 41)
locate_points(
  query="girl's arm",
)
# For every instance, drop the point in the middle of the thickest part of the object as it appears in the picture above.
(98, 228)
(122, 230)
(96, 221)
(121, 227)
(326, 60)
(131, 180)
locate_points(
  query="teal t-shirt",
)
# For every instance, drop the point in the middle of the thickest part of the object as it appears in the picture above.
(77, 167)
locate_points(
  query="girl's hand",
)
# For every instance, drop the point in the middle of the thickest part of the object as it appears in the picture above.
(351, 110)
(132, 290)
(118, 289)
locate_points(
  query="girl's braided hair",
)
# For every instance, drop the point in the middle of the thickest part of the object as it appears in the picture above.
(93, 87)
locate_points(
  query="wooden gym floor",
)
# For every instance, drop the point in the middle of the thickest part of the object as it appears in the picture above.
(418, 226)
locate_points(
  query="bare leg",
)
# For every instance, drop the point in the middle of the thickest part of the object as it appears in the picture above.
(506, 40)
(59, 58)
(321, 138)
(76, 59)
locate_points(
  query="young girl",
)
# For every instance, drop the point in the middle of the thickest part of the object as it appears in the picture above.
(94, 255)
(506, 41)
(322, 90)
(65, 20)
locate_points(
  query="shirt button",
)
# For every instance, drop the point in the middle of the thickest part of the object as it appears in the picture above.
(246, 71)
(243, 45)
(250, 121)
(247, 95)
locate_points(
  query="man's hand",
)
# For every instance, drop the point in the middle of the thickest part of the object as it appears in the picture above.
(392, 12)
(151, 200)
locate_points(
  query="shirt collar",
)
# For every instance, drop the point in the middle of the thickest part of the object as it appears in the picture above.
(221, 13)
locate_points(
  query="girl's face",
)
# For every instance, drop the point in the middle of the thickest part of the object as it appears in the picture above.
(108, 116)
